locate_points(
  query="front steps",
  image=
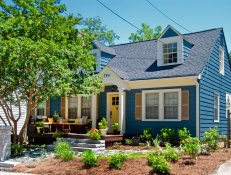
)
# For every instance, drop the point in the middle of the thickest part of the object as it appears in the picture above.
(80, 145)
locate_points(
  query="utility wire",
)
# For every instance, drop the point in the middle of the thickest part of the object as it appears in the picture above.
(117, 15)
(155, 7)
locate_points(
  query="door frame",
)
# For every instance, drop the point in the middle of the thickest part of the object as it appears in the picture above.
(108, 109)
(226, 94)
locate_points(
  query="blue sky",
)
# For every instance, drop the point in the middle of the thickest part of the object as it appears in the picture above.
(194, 15)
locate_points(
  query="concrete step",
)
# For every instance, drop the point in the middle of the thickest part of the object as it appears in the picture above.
(71, 140)
(87, 145)
(82, 149)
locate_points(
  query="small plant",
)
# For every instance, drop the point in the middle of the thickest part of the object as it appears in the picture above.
(151, 156)
(156, 142)
(117, 143)
(192, 147)
(167, 135)
(159, 164)
(16, 149)
(64, 151)
(128, 141)
(183, 134)
(57, 134)
(39, 124)
(116, 161)
(89, 158)
(94, 134)
(116, 126)
(147, 135)
(170, 153)
(103, 123)
(210, 139)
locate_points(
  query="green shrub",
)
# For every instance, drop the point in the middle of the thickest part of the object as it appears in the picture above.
(128, 141)
(192, 147)
(211, 138)
(170, 153)
(64, 151)
(156, 142)
(152, 155)
(167, 135)
(117, 143)
(16, 149)
(183, 134)
(94, 134)
(159, 164)
(90, 159)
(116, 161)
(57, 134)
(147, 135)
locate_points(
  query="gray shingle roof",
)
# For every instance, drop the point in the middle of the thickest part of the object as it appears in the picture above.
(138, 61)
(104, 48)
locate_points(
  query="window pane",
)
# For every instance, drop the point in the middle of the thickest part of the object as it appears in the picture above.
(170, 53)
(216, 107)
(86, 106)
(40, 111)
(72, 107)
(152, 105)
(171, 105)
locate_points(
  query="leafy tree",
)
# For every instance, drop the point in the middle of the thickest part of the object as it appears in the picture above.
(99, 31)
(42, 54)
(145, 33)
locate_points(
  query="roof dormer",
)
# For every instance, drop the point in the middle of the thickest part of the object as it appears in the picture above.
(170, 47)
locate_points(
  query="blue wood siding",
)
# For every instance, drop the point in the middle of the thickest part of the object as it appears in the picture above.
(186, 46)
(136, 126)
(55, 105)
(169, 33)
(105, 58)
(213, 82)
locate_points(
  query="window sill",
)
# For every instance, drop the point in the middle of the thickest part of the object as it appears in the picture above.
(216, 121)
(161, 120)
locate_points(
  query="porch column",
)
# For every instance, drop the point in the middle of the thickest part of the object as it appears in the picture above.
(122, 110)
(94, 110)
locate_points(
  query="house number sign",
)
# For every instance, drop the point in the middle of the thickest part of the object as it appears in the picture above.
(106, 75)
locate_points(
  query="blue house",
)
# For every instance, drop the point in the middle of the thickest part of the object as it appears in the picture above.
(177, 80)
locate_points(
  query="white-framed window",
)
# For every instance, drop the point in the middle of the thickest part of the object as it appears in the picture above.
(216, 107)
(161, 105)
(72, 107)
(86, 106)
(221, 61)
(41, 108)
(170, 53)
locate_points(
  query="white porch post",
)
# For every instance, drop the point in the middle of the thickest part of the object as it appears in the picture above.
(79, 107)
(122, 110)
(94, 110)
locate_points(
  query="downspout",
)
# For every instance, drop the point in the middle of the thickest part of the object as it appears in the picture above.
(198, 105)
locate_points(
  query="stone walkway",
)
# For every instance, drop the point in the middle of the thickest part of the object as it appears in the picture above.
(13, 173)
(224, 169)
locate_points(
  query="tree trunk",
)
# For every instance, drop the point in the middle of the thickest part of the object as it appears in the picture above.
(15, 134)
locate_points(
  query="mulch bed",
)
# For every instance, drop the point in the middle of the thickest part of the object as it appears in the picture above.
(203, 166)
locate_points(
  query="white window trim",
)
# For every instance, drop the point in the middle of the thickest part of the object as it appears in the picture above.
(218, 108)
(161, 104)
(221, 61)
(160, 53)
(226, 98)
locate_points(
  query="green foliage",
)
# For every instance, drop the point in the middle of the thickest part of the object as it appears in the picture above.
(211, 138)
(39, 124)
(94, 134)
(183, 134)
(128, 141)
(57, 134)
(170, 153)
(167, 135)
(117, 143)
(103, 123)
(145, 33)
(16, 149)
(191, 147)
(42, 54)
(152, 155)
(116, 126)
(98, 31)
(158, 163)
(64, 151)
(147, 135)
(116, 161)
(89, 158)
(156, 142)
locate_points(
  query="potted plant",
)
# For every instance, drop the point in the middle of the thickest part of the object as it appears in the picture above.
(116, 128)
(58, 135)
(103, 126)
(39, 126)
(94, 134)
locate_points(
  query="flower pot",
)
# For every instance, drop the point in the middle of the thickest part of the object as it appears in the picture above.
(38, 129)
(135, 141)
(103, 132)
(116, 132)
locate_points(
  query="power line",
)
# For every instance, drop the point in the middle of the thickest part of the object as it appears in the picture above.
(155, 7)
(117, 15)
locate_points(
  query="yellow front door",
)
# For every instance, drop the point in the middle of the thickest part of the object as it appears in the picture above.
(114, 109)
